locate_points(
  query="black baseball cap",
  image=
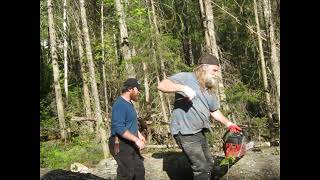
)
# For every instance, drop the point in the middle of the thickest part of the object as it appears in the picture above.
(132, 82)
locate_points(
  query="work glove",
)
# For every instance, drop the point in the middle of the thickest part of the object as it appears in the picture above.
(233, 127)
(189, 92)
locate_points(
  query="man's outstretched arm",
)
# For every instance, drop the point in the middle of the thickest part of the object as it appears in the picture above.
(168, 86)
(217, 115)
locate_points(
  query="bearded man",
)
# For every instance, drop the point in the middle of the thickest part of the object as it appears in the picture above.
(126, 140)
(193, 107)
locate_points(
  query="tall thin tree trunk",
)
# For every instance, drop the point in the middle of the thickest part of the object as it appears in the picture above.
(213, 48)
(263, 69)
(146, 85)
(275, 63)
(115, 49)
(56, 74)
(65, 49)
(103, 64)
(188, 39)
(204, 22)
(86, 94)
(154, 47)
(100, 124)
(162, 69)
(190, 51)
(124, 39)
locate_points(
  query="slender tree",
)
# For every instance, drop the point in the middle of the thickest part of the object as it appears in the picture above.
(97, 109)
(65, 49)
(212, 46)
(104, 62)
(275, 62)
(83, 71)
(124, 39)
(263, 70)
(56, 74)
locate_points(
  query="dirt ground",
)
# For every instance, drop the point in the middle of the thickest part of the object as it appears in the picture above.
(258, 164)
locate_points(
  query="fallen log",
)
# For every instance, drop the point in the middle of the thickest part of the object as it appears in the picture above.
(161, 146)
(82, 119)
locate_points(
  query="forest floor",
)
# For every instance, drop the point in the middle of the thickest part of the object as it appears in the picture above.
(260, 164)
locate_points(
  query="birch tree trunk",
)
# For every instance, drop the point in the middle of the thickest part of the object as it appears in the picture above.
(275, 63)
(100, 125)
(156, 30)
(86, 94)
(103, 64)
(124, 40)
(146, 85)
(56, 74)
(65, 49)
(191, 57)
(115, 50)
(263, 70)
(213, 48)
(188, 38)
(204, 22)
(155, 22)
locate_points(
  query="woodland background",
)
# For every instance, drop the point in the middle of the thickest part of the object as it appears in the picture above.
(89, 47)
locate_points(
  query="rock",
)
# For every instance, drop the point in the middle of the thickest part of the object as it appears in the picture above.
(78, 167)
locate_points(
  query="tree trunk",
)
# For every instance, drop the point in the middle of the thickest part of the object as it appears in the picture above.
(190, 51)
(204, 22)
(264, 72)
(115, 51)
(86, 95)
(124, 40)
(103, 64)
(100, 125)
(213, 48)
(65, 49)
(275, 63)
(162, 69)
(155, 27)
(146, 86)
(56, 74)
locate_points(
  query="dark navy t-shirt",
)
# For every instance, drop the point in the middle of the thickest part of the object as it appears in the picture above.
(124, 117)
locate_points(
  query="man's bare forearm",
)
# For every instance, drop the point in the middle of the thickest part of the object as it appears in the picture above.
(128, 135)
(168, 86)
(218, 116)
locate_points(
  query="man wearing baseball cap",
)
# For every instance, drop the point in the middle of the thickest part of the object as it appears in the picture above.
(193, 107)
(126, 140)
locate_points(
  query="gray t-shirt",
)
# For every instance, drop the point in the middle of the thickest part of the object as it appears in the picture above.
(190, 117)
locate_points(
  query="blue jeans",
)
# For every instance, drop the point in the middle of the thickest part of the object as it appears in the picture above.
(196, 148)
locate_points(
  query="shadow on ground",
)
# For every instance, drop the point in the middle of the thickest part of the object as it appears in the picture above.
(177, 167)
(60, 174)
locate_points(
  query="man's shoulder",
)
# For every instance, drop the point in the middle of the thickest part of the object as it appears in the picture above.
(118, 102)
(184, 75)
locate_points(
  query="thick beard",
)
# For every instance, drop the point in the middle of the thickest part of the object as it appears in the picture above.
(211, 83)
(134, 96)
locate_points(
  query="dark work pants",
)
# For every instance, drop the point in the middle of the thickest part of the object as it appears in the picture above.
(196, 148)
(129, 160)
